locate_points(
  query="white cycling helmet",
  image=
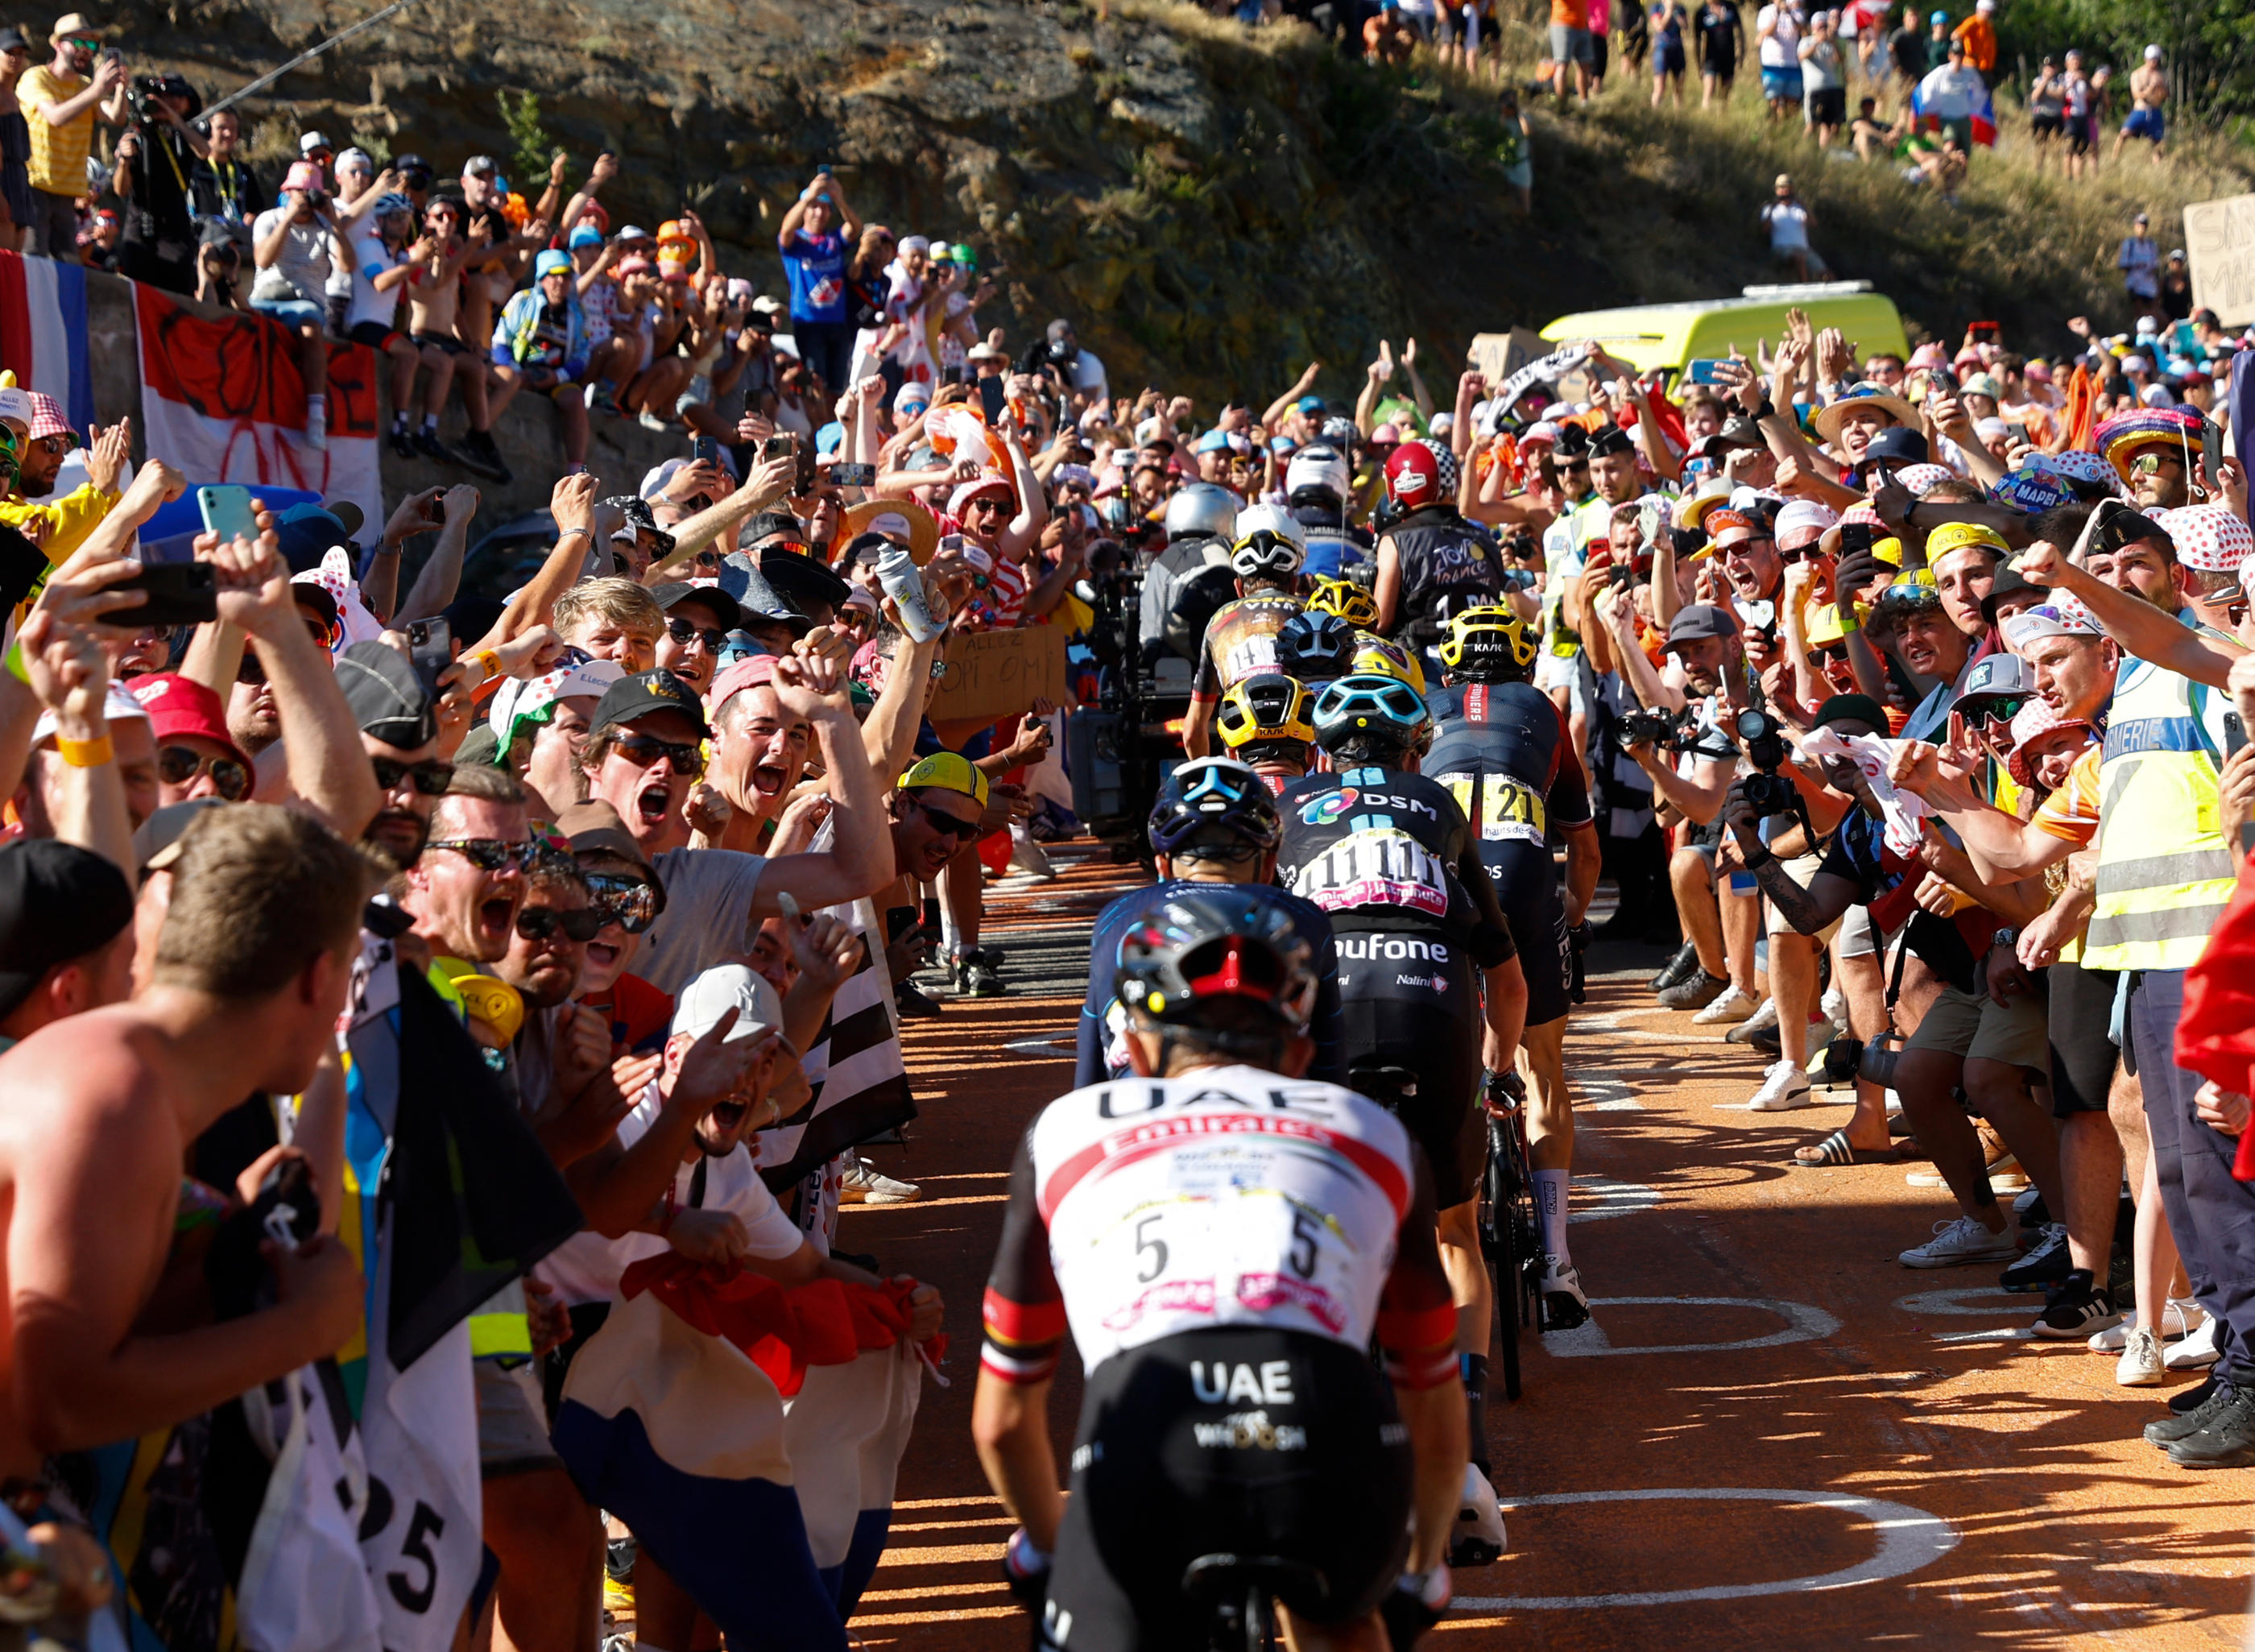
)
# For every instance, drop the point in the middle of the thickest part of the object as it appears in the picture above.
(1269, 540)
(1318, 465)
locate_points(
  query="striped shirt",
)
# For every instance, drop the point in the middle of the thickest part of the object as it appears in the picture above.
(58, 153)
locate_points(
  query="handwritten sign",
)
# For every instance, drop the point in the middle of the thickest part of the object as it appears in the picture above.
(2220, 240)
(996, 674)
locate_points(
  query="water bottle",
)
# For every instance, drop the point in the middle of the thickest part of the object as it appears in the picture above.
(903, 581)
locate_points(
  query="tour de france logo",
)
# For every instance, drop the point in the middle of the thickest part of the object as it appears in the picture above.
(1324, 810)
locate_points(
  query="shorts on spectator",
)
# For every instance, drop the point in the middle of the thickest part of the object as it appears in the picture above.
(375, 334)
(1666, 60)
(1570, 45)
(2081, 134)
(2144, 123)
(2083, 1054)
(1802, 870)
(1520, 176)
(512, 1428)
(1827, 106)
(1960, 1024)
(1856, 937)
(2047, 125)
(54, 226)
(446, 342)
(292, 311)
(1781, 85)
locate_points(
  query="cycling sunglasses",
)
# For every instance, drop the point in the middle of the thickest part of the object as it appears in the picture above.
(177, 766)
(645, 750)
(943, 824)
(431, 778)
(631, 902)
(490, 854)
(683, 631)
(2002, 709)
(538, 922)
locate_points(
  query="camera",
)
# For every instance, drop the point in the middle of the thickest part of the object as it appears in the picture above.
(1766, 790)
(1670, 730)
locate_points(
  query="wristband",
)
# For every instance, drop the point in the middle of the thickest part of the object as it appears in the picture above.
(1757, 857)
(486, 660)
(1852, 616)
(85, 754)
(1767, 410)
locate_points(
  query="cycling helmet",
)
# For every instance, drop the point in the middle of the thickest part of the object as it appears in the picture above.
(1321, 472)
(1202, 511)
(1344, 598)
(1485, 643)
(1211, 944)
(1315, 647)
(1208, 799)
(1268, 541)
(1413, 476)
(1376, 656)
(1366, 709)
(1266, 706)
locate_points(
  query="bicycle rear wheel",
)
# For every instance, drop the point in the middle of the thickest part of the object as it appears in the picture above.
(1500, 1244)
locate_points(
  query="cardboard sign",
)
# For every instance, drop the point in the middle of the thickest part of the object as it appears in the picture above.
(997, 674)
(2220, 244)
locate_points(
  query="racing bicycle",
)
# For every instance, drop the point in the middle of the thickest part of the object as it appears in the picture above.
(1510, 1237)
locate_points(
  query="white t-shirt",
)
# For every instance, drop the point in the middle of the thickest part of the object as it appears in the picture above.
(1780, 47)
(1088, 374)
(586, 1267)
(371, 258)
(707, 917)
(300, 268)
(1788, 225)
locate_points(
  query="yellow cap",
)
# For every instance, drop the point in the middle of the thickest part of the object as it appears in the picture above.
(1955, 536)
(1825, 627)
(1888, 550)
(947, 771)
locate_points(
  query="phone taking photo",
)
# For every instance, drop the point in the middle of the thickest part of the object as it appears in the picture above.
(1701, 370)
(430, 649)
(228, 511)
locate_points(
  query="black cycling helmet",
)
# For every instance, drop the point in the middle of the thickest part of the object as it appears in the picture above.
(1212, 803)
(1315, 647)
(1210, 947)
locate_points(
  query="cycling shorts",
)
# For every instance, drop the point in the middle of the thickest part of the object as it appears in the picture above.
(1237, 1440)
(1410, 1000)
(1526, 888)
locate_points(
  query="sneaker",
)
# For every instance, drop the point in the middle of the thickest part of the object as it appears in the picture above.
(2140, 1364)
(427, 444)
(2177, 1425)
(2195, 1351)
(651, 421)
(2028, 1207)
(2185, 1400)
(2043, 1265)
(2180, 1317)
(599, 400)
(1784, 1087)
(1833, 1006)
(1478, 1537)
(477, 454)
(975, 975)
(913, 1004)
(1029, 857)
(1733, 1005)
(1955, 1243)
(2226, 1440)
(2073, 1308)
(1763, 1020)
(1564, 1307)
(1700, 990)
(402, 445)
(1680, 968)
(863, 1184)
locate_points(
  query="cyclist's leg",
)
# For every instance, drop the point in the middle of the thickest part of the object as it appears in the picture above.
(1366, 1634)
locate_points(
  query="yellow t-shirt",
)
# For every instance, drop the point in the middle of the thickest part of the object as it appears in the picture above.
(58, 153)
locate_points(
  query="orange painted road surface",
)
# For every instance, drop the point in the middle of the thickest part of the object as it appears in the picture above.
(1776, 1437)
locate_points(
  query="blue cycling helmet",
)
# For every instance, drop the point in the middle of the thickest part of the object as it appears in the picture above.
(1367, 715)
(1210, 802)
(1315, 647)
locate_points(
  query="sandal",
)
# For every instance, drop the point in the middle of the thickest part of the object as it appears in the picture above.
(1836, 1151)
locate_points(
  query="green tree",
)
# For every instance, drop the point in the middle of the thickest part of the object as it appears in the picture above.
(2207, 45)
(533, 147)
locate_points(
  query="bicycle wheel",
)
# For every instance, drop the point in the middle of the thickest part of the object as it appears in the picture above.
(1500, 1244)
(1527, 1228)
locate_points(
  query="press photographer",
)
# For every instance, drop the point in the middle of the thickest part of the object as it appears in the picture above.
(157, 155)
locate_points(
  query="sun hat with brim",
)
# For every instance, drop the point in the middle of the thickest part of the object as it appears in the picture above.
(178, 705)
(1983, 384)
(2123, 437)
(2211, 538)
(900, 519)
(1827, 419)
(1693, 510)
(2039, 717)
(2062, 616)
(946, 771)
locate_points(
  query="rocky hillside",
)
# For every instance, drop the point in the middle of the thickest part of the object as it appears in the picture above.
(1215, 207)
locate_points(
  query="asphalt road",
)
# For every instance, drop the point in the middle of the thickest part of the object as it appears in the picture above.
(1774, 1436)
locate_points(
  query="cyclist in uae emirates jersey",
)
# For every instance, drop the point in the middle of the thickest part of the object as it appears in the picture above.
(1502, 749)
(1222, 1240)
(1241, 638)
(1422, 940)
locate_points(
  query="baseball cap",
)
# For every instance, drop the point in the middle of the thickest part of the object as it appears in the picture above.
(1309, 405)
(307, 531)
(481, 166)
(757, 671)
(676, 592)
(14, 39)
(178, 705)
(312, 143)
(723, 987)
(550, 261)
(595, 828)
(2060, 617)
(1955, 536)
(1896, 445)
(117, 704)
(520, 699)
(585, 235)
(156, 844)
(645, 694)
(386, 697)
(354, 159)
(57, 902)
(1803, 521)
(2008, 583)
(2209, 538)
(947, 771)
(1996, 677)
(1857, 708)
(1733, 527)
(304, 175)
(1697, 621)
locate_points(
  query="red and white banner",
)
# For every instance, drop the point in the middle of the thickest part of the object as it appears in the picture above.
(222, 400)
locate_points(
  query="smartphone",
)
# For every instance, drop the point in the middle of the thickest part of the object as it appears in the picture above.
(802, 483)
(2234, 735)
(1701, 370)
(2211, 444)
(853, 475)
(777, 446)
(705, 448)
(430, 649)
(1855, 536)
(1983, 329)
(228, 512)
(1882, 477)
(178, 593)
(2018, 433)
(1940, 381)
(993, 394)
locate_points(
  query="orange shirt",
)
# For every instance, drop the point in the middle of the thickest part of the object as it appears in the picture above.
(2072, 811)
(1980, 38)
(1568, 14)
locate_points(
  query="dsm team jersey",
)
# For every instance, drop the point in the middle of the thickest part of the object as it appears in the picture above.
(1240, 642)
(1384, 849)
(1142, 1209)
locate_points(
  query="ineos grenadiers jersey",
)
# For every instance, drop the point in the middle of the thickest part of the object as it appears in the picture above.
(1501, 750)
(1141, 1208)
(1383, 849)
(1240, 641)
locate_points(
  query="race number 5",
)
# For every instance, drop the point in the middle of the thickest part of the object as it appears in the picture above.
(1156, 1247)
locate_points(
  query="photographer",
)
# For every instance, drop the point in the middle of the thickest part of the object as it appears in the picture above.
(219, 262)
(291, 245)
(222, 185)
(155, 157)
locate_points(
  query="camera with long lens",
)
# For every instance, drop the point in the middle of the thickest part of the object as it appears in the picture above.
(1670, 730)
(1766, 790)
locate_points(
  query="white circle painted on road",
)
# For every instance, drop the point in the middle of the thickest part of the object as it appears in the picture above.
(1588, 1341)
(1909, 1538)
(1594, 1197)
(1954, 1302)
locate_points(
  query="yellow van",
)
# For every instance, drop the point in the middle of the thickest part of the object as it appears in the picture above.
(1664, 336)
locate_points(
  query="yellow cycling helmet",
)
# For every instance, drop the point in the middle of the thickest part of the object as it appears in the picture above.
(1344, 598)
(1488, 640)
(1375, 655)
(1266, 706)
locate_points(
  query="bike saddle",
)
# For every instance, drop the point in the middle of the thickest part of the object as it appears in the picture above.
(1220, 1578)
(1386, 1086)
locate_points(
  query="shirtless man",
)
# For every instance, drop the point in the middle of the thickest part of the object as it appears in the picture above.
(2149, 89)
(252, 970)
(435, 298)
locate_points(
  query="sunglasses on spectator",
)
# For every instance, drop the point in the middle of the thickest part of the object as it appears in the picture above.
(2149, 464)
(1563, 464)
(1809, 553)
(489, 854)
(178, 765)
(943, 824)
(431, 778)
(250, 671)
(631, 902)
(645, 750)
(683, 632)
(2002, 709)
(538, 922)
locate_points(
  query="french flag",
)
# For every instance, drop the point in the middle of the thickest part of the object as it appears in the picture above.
(43, 331)
(1982, 116)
